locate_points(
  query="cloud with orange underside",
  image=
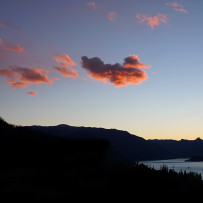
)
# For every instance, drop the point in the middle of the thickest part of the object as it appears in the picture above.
(17, 84)
(130, 73)
(111, 16)
(133, 61)
(152, 21)
(92, 4)
(11, 47)
(31, 93)
(21, 77)
(177, 7)
(66, 66)
(14, 48)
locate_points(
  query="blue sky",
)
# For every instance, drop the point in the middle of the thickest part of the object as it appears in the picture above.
(168, 105)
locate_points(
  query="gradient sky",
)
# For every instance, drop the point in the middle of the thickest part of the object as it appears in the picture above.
(147, 77)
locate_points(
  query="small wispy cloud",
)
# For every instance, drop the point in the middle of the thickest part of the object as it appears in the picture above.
(173, 4)
(66, 65)
(111, 16)
(11, 47)
(182, 10)
(92, 4)
(31, 93)
(14, 48)
(177, 7)
(152, 21)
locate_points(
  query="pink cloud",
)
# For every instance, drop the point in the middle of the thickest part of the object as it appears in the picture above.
(111, 16)
(116, 74)
(174, 4)
(14, 48)
(17, 84)
(66, 64)
(92, 4)
(64, 59)
(177, 7)
(31, 93)
(182, 10)
(20, 77)
(152, 21)
(11, 47)
(132, 61)
(9, 73)
(66, 73)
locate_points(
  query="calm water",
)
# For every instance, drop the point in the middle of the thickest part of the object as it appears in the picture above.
(177, 165)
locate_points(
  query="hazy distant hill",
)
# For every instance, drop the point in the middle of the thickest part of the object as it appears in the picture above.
(182, 148)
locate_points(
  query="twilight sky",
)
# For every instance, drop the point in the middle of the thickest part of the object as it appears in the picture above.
(134, 65)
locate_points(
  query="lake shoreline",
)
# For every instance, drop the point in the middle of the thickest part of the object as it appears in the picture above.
(176, 165)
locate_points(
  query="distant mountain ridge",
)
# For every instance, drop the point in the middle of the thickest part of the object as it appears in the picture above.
(181, 149)
(125, 146)
(122, 146)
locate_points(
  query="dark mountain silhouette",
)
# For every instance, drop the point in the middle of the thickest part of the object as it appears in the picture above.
(123, 146)
(68, 163)
(23, 145)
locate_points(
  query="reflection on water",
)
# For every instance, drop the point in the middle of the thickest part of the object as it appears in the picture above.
(177, 165)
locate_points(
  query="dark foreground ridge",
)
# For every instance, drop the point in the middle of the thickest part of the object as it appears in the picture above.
(39, 166)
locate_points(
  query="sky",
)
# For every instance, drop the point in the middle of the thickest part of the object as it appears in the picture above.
(133, 65)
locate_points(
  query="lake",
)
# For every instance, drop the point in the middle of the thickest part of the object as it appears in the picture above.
(177, 165)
